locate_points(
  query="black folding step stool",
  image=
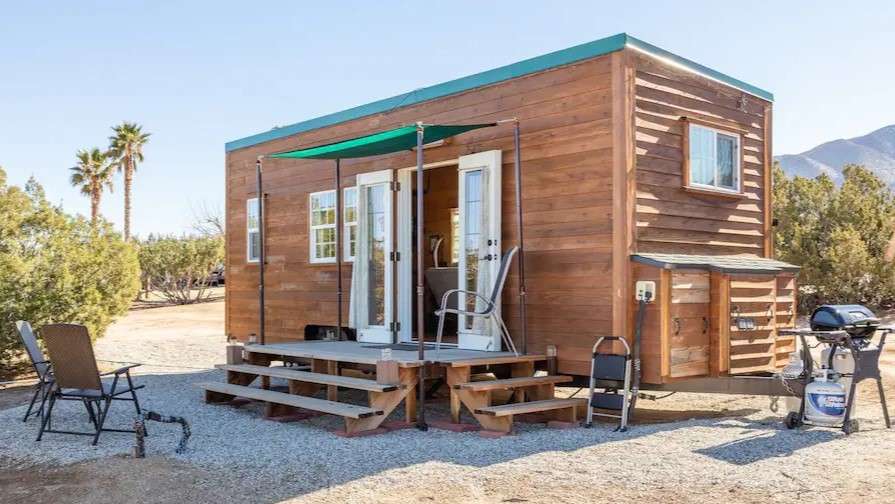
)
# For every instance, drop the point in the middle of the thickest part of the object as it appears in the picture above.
(611, 373)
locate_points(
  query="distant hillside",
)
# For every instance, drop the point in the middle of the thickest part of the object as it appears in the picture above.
(875, 151)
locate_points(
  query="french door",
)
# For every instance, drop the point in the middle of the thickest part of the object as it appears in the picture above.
(373, 264)
(479, 213)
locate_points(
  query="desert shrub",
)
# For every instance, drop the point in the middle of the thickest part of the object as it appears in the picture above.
(179, 268)
(838, 235)
(57, 268)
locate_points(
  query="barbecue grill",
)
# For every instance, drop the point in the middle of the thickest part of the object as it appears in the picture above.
(858, 321)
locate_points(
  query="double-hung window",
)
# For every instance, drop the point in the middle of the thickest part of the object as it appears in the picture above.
(713, 159)
(323, 227)
(253, 231)
(349, 218)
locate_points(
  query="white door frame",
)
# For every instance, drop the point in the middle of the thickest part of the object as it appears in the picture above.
(490, 161)
(383, 333)
(405, 247)
(483, 335)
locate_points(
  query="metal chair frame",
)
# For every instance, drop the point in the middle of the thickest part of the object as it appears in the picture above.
(41, 366)
(491, 304)
(96, 399)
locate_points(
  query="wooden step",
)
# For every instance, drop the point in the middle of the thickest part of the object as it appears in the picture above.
(511, 383)
(484, 361)
(310, 403)
(305, 376)
(528, 407)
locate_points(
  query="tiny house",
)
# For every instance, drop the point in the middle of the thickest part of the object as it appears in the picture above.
(636, 165)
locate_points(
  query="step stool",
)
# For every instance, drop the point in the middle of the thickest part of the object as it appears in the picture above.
(611, 373)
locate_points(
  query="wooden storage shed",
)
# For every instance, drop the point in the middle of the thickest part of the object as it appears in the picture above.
(636, 164)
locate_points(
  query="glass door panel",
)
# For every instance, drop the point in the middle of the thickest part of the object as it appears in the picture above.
(479, 219)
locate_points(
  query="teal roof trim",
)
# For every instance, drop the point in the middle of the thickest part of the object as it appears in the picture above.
(488, 77)
(700, 69)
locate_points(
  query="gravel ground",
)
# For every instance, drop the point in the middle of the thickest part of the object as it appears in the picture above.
(237, 456)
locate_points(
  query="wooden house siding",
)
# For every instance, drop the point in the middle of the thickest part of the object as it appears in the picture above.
(602, 160)
(669, 218)
(566, 121)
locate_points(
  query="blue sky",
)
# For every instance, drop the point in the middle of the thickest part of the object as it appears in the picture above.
(198, 74)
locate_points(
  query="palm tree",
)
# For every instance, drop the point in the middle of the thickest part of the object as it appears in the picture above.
(93, 171)
(126, 149)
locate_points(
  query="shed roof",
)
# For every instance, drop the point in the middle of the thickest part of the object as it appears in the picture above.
(493, 76)
(721, 263)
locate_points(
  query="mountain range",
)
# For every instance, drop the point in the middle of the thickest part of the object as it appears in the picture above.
(874, 150)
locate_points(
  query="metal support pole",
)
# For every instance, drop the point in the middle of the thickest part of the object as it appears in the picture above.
(339, 229)
(517, 167)
(420, 283)
(261, 252)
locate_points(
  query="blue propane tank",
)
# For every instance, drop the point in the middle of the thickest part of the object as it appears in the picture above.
(825, 400)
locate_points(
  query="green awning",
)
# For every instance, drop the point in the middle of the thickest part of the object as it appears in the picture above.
(385, 142)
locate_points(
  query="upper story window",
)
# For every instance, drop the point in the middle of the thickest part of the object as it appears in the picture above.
(322, 207)
(253, 231)
(713, 159)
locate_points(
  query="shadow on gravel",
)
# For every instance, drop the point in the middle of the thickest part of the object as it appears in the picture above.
(762, 444)
(302, 457)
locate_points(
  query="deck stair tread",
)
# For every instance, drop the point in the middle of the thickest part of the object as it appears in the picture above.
(311, 403)
(528, 407)
(482, 361)
(305, 376)
(511, 383)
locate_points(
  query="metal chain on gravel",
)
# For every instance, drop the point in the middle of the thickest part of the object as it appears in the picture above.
(140, 430)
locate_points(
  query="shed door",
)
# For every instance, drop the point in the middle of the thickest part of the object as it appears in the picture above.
(480, 249)
(753, 331)
(690, 327)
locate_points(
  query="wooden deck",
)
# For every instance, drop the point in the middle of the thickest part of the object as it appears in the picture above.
(369, 353)
(451, 367)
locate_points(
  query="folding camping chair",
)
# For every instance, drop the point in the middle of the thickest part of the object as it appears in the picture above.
(77, 378)
(41, 367)
(492, 303)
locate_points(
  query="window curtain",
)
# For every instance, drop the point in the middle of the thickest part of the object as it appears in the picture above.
(702, 156)
(726, 153)
(358, 299)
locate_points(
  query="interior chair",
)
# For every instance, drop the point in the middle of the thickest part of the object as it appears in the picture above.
(492, 303)
(41, 367)
(77, 378)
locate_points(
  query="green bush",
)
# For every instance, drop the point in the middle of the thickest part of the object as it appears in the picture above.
(838, 235)
(179, 268)
(58, 268)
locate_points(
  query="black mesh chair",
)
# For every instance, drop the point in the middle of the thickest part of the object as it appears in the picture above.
(492, 303)
(77, 378)
(41, 367)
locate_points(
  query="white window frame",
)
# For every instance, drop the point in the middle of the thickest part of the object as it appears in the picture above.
(252, 207)
(738, 159)
(348, 225)
(312, 236)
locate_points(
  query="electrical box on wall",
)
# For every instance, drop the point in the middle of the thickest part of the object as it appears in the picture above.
(645, 290)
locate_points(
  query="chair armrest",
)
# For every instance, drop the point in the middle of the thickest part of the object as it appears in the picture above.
(121, 370)
(444, 298)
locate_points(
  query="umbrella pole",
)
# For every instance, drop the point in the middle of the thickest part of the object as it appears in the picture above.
(261, 252)
(339, 229)
(517, 167)
(420, 284)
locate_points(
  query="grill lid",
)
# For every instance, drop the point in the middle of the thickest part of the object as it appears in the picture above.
(857, 320)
